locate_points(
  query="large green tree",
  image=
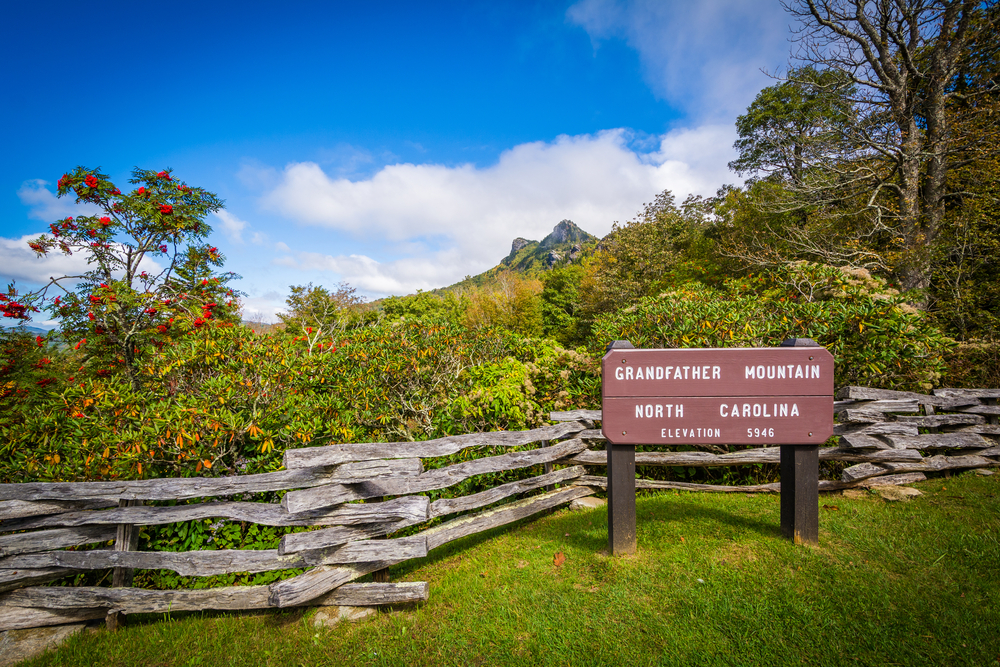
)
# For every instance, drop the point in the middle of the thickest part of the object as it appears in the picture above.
(793, 125)
(891, 162)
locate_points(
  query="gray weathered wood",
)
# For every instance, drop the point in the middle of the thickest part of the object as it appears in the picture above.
(877, 428)
(310, 586)
(948, 392)
(861, 471)
(20, 618)
(330, 454)
(17, 509)
(490, 496)
(126, 539)
(574, 415)
(599, 481)
(982, 429)
(981, 409)
(267, 514)
(862, 441)
(879, 406)
(591, 434)
(41, 606)
(179, 488)
(935, 421)
(371, 595)
(137, 600)
(331, 537)
(366, 551)
(773, 487)
(891, 480)
(43, 540)
(744, 457)
(360, 471)
(955, 440)
(471, 524)
(185, 563)
(308, 499)
(849, 454)
(871, 394)
(928, 464)
(859, 416)
(21, 577)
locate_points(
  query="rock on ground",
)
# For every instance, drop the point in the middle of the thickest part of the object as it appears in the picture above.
(895, 493)
(588, 503)
(331, 616)
(984, 472)
(18, 645)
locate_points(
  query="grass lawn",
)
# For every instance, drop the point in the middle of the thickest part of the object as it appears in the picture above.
(713, 583)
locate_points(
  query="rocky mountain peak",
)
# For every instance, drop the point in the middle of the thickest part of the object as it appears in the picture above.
(565, 232)
(518, 244)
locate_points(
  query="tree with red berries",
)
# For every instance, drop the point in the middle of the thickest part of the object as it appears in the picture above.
(152, 277)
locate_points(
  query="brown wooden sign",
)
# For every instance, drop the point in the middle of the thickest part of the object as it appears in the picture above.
(748, 396)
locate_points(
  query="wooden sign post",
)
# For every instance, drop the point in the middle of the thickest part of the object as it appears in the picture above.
(775, 396)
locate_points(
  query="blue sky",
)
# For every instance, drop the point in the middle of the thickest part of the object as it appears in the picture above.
(397, 146)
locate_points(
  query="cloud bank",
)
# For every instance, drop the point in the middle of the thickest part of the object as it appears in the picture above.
(464, 217)
(703, 57)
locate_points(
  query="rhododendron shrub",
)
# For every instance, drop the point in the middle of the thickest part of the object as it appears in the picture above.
(224, 400)
(152, 276)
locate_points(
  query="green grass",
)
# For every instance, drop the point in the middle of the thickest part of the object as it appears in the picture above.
(713, 583)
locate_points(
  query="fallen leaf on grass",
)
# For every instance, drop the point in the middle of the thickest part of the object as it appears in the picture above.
(521, 564)
(831, 507)
(682, 539)
(559, 559)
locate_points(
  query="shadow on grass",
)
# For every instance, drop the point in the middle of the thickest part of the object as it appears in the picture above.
(679, 512)
(672, 511)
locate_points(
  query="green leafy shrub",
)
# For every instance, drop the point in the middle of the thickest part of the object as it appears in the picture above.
(876, 338)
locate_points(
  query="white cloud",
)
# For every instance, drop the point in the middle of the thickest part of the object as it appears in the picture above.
(20, 263)
(377, 279)
(264, 307)
(472, 214)
(703, 57)
(258, 238)
(232, 226)
(46, 206)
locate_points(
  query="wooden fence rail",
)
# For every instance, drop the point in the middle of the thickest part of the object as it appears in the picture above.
(889, 438)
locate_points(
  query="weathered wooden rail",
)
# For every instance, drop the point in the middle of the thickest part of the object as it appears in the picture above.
(885, 434)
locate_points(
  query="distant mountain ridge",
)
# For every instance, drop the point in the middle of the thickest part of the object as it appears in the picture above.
(566, 244)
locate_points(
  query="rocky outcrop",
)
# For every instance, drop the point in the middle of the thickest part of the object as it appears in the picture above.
(565, 232)
(518, 244)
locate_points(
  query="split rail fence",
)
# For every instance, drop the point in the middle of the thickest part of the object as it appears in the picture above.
(885, 434)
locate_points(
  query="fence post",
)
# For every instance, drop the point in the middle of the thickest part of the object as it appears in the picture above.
(621, 487)
(126, 539)
(547, 468)
(800, 481)
(381, 576)
(800, 493)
